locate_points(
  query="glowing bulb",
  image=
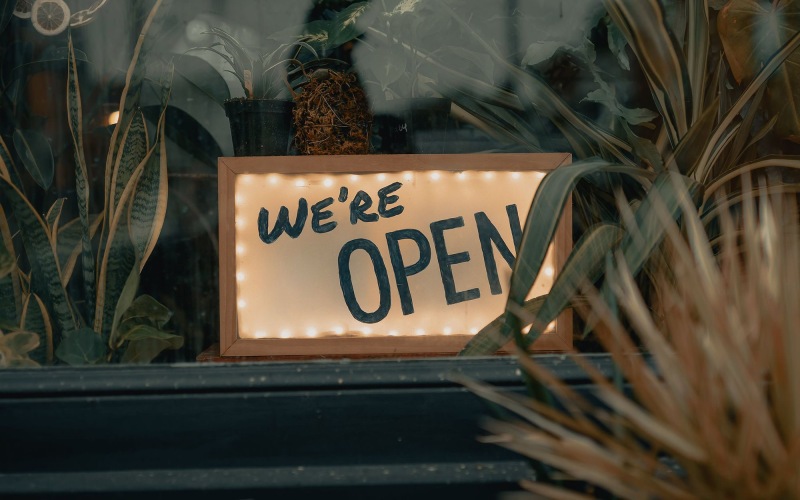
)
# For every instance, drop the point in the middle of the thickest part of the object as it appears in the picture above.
(516, 175)
(241, 223)
(527, 329)
(338, 330)
(540, 175)
(435, 176)
(239, 199)
(549, 271)
(240, 250)
(328, 182)
(261, 334)
(419, 331)
(300, 183)
(447, 330)
(242, 303)
(367, 331)
(113, 118)
(273, 179)
(488, 175)
(393, 333)
(311, 332)
(408, 177)
(240, 276)
(353, 178)
(474, 330)
(247, 179)
(381, 177)
(286, 334)
(462, 176)
(551, 326)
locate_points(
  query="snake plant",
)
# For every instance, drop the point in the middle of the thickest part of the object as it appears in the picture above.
(75, 284)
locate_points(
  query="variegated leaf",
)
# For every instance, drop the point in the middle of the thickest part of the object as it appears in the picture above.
(36, 319)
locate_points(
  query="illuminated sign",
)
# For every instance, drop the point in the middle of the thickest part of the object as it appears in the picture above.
(374, 255)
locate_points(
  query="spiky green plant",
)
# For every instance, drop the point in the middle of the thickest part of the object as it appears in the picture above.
(709, 132)
(714, 410)
(105, 320)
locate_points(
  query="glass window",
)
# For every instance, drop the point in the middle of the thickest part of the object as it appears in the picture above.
(113, 116)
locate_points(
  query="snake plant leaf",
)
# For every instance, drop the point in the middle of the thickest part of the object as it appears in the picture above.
(36, 155)
(119, 257)
(148, 207)
(69, 244)
(751, 32)
(35, 318)
(135, 145)
(123, 303)
(10, 292)
(659, 54)
(6, 163)
(585, 264)
(53, 216)
(75, 114)
(81, 347)
(146, 342)
(131, 93)
(189, 134)
(43, 261)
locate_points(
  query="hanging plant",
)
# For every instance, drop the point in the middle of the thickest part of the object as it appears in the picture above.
(332, 116)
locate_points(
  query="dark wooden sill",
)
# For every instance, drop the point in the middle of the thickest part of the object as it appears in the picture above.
(342, 429)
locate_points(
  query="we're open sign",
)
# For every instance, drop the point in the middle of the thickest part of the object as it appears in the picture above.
(373, 255)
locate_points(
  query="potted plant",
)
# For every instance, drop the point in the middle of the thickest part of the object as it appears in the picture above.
(69, 290)
(261, 120)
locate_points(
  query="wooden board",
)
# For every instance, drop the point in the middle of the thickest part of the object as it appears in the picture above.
(374, 255)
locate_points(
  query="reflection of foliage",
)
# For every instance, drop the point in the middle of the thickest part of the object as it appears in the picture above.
(708, 133)
(713, 412)
(108, 249)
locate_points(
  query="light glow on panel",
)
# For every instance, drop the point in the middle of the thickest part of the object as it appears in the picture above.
(399, 254)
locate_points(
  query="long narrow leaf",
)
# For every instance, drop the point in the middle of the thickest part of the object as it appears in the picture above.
(644, 26)
(10, 293)
(39, 248)
(75, 113)
(585, 262)
(148, 207)
(543, 217)
(130, 94)
(36, 319)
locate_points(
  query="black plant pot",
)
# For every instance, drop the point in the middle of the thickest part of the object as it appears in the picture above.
(259, 127)
(417, 125)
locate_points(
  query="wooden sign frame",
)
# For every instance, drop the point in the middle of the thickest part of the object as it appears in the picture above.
(380, 345)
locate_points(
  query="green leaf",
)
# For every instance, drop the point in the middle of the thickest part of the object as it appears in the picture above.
(148, 207)
(135, 146)
(53, 216)
(585, 264)
(75, 113)
(36, 319)
(40, 252)
(69, 244)
(7, 264)
(81, 347)
(10, 293)
(124, 301)
(543, 217)
(36, 154)
(643, 24)
(146, 342)
(147, 309)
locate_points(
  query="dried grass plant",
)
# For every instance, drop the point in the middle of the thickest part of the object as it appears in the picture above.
(713, 409)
